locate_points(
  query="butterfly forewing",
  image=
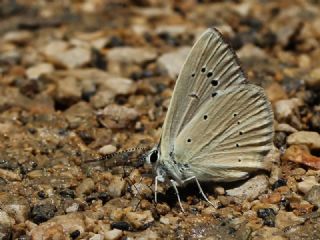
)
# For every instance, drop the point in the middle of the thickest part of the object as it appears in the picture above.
(228, 136)
(210, 66)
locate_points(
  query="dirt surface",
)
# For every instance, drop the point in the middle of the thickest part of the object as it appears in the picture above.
(81, 79)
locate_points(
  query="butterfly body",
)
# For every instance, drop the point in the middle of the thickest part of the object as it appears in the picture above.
(218, 126)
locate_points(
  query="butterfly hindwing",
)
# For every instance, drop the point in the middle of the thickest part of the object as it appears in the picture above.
(228, 136)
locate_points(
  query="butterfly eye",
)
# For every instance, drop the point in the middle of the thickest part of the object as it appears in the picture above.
(154, 156)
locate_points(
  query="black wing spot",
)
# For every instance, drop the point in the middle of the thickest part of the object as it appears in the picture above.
(237, 145)
(239, 160)
(209, 74)
(235, 114)
(189, 140)
(194, 95)
(205, 117)
(193, 74)
(214, 94)
(240, 133)
(214, 82)
(238, 122)
(203, 69)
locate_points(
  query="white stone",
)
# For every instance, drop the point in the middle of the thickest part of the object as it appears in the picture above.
(112, 234)
(107, 149)
(97, 237)
(283, 109)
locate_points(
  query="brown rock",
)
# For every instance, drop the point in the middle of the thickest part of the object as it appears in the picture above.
(139, 219)
(300, 154)
(275, 92)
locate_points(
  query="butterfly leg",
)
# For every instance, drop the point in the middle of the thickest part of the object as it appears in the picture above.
(201, 191)
(174, 184)
(155, 189)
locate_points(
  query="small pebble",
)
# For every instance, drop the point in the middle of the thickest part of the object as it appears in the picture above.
(140, 220)
(307, 183)
(107, 149)
(86, 186)
(279, 183)
(42, 213)
(268, 216)
(287, 219)
(112, 234)
(310, 139)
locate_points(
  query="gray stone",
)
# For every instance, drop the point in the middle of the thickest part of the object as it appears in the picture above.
(61, 54)
(251, 189)
(313, 196)
(172, 62)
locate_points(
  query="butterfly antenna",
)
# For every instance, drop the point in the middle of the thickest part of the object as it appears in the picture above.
(122, 158)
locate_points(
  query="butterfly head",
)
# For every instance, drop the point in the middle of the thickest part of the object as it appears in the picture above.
(153, 158)
(164, 169)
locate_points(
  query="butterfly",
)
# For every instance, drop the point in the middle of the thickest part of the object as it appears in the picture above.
(218, 126)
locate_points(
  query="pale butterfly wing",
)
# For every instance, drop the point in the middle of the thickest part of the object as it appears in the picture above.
(228, 136)
(211, 65)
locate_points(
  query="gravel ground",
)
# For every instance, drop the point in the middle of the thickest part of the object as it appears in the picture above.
(81, 79)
